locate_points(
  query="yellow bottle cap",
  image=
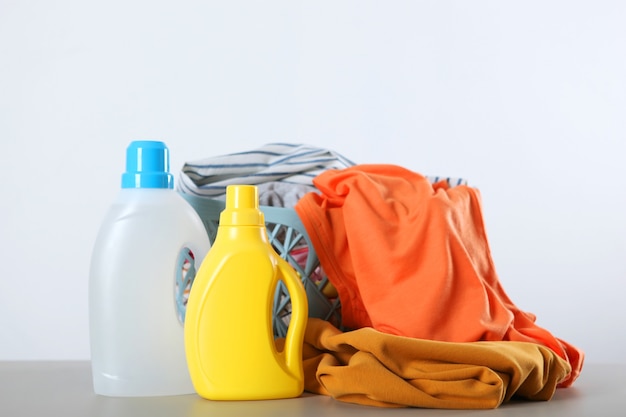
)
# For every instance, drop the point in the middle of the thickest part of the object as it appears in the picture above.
(242, 207)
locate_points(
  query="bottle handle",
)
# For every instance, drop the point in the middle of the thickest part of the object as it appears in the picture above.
(299, 316)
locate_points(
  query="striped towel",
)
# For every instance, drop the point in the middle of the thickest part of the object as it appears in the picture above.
(295, 164)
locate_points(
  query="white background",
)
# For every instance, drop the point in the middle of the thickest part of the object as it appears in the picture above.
(525, 99)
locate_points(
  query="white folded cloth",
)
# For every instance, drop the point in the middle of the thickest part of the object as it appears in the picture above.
(283, 172)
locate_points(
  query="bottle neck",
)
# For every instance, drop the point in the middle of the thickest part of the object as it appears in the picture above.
(242, 232)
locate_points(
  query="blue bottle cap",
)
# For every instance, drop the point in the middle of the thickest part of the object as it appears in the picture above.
(147, 165)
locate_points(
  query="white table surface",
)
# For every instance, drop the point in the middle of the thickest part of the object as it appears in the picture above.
(64, 389)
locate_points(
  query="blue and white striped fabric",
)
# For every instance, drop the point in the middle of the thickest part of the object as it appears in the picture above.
(295, 164)
(452, 181)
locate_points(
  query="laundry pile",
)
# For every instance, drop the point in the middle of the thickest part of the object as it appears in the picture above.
(427, 322)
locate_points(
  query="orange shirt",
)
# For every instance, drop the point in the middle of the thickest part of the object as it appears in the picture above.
(411, 258)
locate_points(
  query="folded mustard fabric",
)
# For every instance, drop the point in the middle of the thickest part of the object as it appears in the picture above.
(369, 367)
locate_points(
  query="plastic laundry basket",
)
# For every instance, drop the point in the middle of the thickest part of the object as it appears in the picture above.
(290, 240)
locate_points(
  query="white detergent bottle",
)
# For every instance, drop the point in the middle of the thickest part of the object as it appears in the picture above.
(144, 259)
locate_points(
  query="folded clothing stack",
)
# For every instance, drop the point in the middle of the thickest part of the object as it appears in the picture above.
(412, 259)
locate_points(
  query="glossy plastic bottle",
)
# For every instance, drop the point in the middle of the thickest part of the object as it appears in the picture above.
(228, 330)
(143, 260)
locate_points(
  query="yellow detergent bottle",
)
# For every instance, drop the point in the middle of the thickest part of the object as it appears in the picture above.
(229, 341)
